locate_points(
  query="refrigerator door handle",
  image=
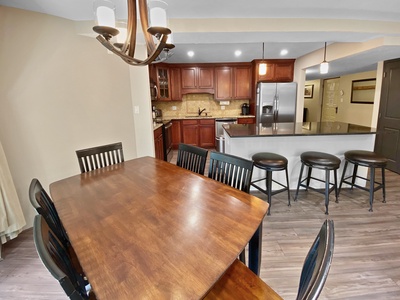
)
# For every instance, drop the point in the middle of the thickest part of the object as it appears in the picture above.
(276, 107)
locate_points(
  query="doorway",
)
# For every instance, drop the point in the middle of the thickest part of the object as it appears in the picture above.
(387, 140)
(329, 99)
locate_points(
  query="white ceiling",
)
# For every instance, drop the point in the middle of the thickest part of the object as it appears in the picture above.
(218, 44)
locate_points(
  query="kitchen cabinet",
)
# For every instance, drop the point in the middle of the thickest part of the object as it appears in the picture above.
(163, 83)
(199, 132)
(159, 143)
(233, 82)
(278, 70)
(176, 134)
(251, 120)
(175, 83)
(197, 79)
(207, 133)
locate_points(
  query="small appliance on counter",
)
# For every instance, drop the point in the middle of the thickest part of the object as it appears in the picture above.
(245, 109)
(157, 115)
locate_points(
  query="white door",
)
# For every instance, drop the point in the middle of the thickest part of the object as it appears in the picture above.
(330, 100)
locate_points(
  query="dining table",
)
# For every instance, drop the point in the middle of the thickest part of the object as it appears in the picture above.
(148, 229)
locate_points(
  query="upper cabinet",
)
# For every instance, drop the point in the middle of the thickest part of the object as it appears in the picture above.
(233, 82)
(167, 81)
(163, 83)
(278, 70)
(175, 83)
(197, 79)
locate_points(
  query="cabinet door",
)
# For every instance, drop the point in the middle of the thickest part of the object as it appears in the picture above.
(175, 83)
(223, 83)
(158, 144)
(163, 83)
(189, 80)
(246, 120)
(269, 76)
(205, 78)
(242, 83)
(190, 132)
(176, 134)
(207, 133)
(284, 72)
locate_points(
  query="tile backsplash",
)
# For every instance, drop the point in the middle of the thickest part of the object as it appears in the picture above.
(190, 104)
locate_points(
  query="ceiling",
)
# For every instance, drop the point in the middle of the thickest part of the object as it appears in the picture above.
(214, 29)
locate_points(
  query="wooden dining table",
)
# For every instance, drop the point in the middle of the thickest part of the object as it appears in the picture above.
(147, 229)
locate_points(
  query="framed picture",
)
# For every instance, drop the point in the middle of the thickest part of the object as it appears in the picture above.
(363, 91)
(308, 91)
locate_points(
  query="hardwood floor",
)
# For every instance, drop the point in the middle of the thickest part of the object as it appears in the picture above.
(366, 262)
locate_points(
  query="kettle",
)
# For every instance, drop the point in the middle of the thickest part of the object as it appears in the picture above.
(245, 109)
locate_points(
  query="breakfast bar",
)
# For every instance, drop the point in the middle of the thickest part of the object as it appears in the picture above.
(291, 139)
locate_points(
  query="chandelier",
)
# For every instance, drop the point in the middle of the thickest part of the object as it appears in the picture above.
(156, 37)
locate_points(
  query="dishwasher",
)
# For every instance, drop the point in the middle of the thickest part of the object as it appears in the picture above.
(219, 132)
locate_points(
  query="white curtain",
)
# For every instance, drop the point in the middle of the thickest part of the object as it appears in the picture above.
(11, 217)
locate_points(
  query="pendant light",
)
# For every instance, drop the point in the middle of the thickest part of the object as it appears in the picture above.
(262, 67)
(324, 66)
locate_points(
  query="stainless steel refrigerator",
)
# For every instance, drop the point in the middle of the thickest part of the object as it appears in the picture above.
(276, 102)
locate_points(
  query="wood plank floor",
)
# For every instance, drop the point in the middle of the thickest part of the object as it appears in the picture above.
(366, 262)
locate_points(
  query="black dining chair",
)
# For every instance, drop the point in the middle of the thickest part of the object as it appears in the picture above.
(101, 156)
(236, 172)
(57, 261)
(317, 263)
(192, 158)
(44, 206)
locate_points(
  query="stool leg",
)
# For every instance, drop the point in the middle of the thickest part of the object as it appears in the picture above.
(308, 177)
(353, 179)
(269, 190)
(336, 189)
(287, 184)
(371, 188)
(383, 185)
(343, 174)
(327, 191)
(298, 184)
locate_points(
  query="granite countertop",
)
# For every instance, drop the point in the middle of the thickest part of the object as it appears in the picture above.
(209, 117)
(295, 129)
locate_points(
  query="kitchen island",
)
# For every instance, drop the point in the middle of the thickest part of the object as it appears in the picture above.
(292, 139)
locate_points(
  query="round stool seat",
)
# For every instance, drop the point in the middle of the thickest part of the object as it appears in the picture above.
(320, 160)
(365, 158)
(270, 161)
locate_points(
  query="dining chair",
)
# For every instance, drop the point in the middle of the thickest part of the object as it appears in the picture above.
(192, 158)
(236, 172)
(317, 263)
(43, 204)
(55, 258)
(101, 156)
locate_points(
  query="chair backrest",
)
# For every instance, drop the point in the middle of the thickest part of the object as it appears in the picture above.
(101, 156)
(192, 158)
(56, 260)
(43, 204)
(317, 263)
(232, 170)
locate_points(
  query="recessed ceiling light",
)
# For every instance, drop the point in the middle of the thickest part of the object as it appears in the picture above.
(284, 52)
(238, 53)
(190, 53)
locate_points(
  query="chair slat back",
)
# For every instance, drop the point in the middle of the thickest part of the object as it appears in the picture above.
(99, 157)
(192, 158)
(317, 263)
(231, 170)
(55, 258)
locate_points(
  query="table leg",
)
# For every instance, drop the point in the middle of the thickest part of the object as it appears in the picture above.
(255, 251)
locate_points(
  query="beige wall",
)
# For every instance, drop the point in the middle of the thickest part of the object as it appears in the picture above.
(59, 92)
(314, 104)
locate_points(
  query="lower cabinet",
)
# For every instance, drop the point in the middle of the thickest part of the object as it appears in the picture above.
(200, 132)
(158, 143)
(176, 134)
(246, 120)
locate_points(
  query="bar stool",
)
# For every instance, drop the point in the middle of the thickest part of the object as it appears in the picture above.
(271, 162)
(323, 161)
(370, 160)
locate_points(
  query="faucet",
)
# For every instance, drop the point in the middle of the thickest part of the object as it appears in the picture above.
(200, 111)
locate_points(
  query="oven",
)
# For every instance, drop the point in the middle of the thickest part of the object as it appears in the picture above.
(219, 132)
(167, 139)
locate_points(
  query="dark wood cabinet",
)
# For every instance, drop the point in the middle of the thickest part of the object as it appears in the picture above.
(176, 134)
(233, 82)
(207, 133)
(163, 83)
(197, 79)
(175, 83)
(278, 70)
(158, 143)
(199, 132)
(246, 120)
